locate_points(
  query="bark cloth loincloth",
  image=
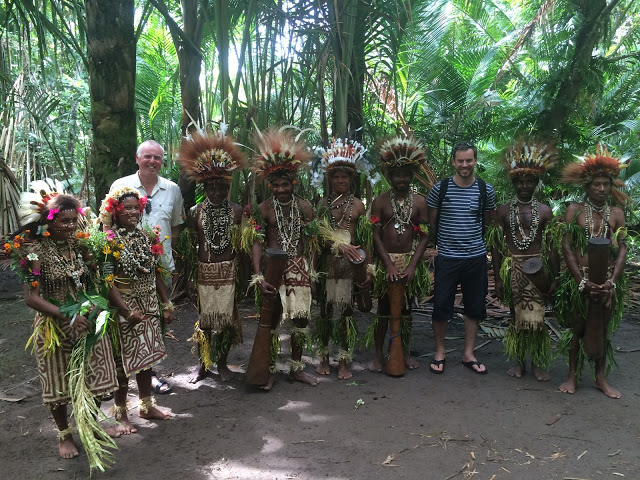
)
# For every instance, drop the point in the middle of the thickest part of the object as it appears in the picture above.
(216, 296)
(295, 291)
(528, 301)
(141, 345)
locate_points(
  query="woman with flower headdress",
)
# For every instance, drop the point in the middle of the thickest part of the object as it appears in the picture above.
(399, 219)
(135, 290)
(53, 267)
(279, 223)
(577, 294)
(211, 160)
(341, 164)
(518, 237)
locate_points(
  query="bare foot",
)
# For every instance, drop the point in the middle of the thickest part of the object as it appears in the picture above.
(154, 413)
(602, 385)
(126, 427)
(540, 374)
(411, 363)
(199, 373)
(323, 367)
(270, 382)
(517, 370)
(114, 432)
(343, 370)
(67, 448)
(225, 373)
(300, 376)
(377, 363)
(569, 386)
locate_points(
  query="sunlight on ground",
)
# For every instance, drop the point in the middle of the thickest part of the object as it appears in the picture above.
(235, 469)
(295, 406)
(271, 444)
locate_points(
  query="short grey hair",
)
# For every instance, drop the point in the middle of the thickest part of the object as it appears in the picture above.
(147, 143)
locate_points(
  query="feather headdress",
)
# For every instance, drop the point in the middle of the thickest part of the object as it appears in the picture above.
(33, 204)
(529, 158)
(213, 156)
(345, 154)
(280, 153)
(112, 204)
(402, 151)
(593, 165)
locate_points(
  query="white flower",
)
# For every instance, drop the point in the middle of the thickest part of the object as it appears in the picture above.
(100, 321)
(33, 257)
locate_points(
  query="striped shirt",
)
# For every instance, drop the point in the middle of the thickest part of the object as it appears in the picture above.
(460, 223)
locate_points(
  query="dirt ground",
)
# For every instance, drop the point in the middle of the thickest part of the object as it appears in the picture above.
(422, 426)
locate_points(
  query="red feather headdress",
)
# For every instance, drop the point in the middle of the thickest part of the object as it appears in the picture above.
(214, 156)
(593, 165)
(280, 153)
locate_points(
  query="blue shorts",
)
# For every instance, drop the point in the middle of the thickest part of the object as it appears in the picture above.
(471, 275)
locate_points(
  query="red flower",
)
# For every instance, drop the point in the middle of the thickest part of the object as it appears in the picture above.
(157, 249)
(374, 219)
(142, 202)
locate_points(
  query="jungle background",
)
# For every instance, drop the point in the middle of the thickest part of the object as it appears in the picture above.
(83, 82)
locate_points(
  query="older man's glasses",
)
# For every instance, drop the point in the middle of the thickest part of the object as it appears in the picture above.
(147, 207)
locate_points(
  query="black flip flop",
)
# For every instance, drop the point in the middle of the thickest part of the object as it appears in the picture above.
(437, 363)
(157, 388)
(470, 366)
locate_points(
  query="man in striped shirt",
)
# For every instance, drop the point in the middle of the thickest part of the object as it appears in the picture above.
(459, 216)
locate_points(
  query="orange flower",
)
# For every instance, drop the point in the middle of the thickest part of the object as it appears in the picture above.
(17, 238)
(47, 234)
(7, 247)
(16, 245)
(34, 284)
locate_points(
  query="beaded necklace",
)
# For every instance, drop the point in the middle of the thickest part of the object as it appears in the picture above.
(59, 266)
(288, 227)
(136, 258)
(589, 222)
(514, 219)
(401, 211)
(348, 204)
(216, 221)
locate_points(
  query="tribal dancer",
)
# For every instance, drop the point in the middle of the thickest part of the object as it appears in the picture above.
(279, 223)
(53, 267)
(400, 238)
(341, 165)
(577, 295)
(137, 285)
(522, 223)
(211, 160)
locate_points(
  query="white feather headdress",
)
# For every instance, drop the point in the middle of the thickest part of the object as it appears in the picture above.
(33, 204)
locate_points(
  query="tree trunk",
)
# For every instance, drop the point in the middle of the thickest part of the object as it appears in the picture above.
(112, 70)
(187, 41)
(594, 15)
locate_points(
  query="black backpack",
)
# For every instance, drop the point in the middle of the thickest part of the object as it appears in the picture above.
(444, 186)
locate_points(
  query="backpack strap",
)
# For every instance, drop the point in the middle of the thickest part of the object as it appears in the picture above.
(444, 186)
(482, 186)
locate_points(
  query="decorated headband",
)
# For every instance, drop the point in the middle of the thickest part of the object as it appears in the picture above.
(529, 158)
(602, 163)
(112, 204)
(33, 204)
(280, 153)
(345, 154)
(215, 156)
(400, 152)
